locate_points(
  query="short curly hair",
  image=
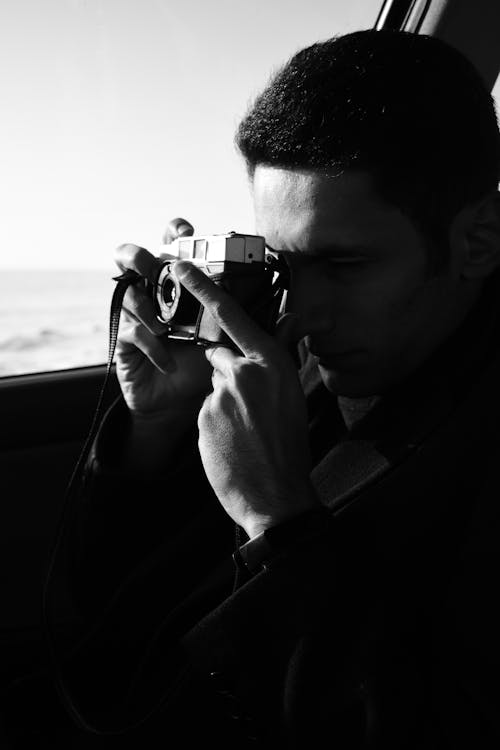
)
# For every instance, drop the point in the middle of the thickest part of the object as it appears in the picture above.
(407, 108)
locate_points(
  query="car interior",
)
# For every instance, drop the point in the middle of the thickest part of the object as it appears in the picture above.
(46, 416)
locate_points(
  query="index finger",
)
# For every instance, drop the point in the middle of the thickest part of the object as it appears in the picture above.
(251, 340)
(138, 259)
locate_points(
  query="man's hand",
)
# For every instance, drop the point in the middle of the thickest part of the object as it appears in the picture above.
(156, 374)
(163, 381)
(253, 426)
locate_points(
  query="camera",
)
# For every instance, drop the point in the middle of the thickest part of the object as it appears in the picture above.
(240, 264)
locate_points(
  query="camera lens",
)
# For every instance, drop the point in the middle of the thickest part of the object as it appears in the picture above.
(175, 305)
(169, 292)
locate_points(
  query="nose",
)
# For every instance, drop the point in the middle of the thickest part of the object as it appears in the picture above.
(311, 299)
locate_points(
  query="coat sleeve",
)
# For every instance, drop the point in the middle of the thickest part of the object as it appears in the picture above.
(123, 522)
(148, 557)
(285, 652)
(334, 639)
(466, 685)
(158, 636)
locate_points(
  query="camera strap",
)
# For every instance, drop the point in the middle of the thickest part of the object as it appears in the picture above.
(275, 293)
(123, 282)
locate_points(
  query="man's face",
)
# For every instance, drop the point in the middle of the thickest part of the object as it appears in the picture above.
(367, 304)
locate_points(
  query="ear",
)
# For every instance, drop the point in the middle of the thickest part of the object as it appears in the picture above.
(475, 238)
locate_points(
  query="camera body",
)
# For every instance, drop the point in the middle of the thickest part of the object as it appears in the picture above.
(240, 264)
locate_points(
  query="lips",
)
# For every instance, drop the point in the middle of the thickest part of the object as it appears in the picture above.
(332, 359)
(329, 355)
(326, 353)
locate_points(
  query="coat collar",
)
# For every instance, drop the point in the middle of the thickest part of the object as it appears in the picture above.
(407, 416)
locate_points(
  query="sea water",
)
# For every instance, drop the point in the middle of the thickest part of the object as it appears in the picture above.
(51, 320)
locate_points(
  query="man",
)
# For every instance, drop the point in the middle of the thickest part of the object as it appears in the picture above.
(362, 486)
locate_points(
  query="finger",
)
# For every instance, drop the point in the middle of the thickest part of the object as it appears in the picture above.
(216, 379)
(287, 330)
(289, 333)
(227, 313)
(221, 358)
(138, 259)
(166, 256)
(134, 336)
(177, 228)
(139, 306)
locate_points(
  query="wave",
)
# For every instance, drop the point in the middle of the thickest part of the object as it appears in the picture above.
(48, 337)
(44, 337)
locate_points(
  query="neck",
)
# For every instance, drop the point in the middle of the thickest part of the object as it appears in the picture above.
(354, 409)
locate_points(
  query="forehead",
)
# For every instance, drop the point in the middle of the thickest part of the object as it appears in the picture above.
(296, 208)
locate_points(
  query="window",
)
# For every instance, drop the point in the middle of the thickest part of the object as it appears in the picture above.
(117, 116)
(496, 96)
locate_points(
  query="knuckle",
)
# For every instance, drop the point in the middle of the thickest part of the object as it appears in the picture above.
(125, 252)
(137, 259)
(125, 337)
(209, 354)
(144, 311)
(218, 310)
(135, 331)
(203, 414)
(144, 260)
(125, 320)
(130, 299)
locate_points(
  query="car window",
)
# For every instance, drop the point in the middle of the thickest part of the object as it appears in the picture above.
(496, 96)
(117, 116)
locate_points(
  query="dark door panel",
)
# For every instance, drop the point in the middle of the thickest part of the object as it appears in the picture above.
(45, 420)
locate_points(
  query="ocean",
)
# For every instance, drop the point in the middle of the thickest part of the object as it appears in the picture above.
(52, 320)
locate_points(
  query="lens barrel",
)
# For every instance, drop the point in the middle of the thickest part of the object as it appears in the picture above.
(167, 293)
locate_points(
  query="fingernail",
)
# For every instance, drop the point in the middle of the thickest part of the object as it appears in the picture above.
(181, 268)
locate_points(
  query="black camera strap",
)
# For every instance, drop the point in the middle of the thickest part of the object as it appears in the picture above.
(123, 282)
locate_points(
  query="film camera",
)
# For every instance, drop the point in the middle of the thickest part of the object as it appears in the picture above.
(240, 264)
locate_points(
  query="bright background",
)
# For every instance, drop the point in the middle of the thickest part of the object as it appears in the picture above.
(118, 115)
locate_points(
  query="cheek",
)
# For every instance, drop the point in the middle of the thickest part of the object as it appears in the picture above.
(419, 303)
(412, 321)
(387, 306)
(381, 301)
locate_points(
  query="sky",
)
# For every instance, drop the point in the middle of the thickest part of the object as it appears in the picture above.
(119, 115)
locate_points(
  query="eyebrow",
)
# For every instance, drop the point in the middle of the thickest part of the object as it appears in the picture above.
(332, 250)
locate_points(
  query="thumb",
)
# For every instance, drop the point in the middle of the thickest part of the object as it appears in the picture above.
(176, 228)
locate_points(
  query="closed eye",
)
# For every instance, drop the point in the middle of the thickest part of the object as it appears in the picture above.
(347, 261)
(344, 268)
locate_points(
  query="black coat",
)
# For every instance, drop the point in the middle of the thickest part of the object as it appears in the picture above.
(378, 630)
